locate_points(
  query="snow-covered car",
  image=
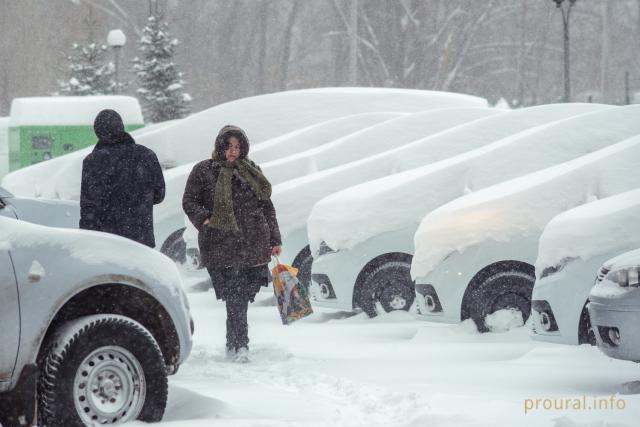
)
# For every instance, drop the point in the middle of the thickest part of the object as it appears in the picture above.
(572, 248)
(262, 117)
(282, 121)
(94, 321)
(169, 219)
(51, 212)
(363, 235)
(294, 198)
(377, 139)
(614, 307)
(474, 256)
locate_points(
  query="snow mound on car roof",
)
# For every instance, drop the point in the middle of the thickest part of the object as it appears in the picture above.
(592, 229)
(262, 117)
(523, 206)
(496, 147)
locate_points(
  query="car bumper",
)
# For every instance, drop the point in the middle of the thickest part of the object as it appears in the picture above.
(565, 294)
(612, 318)
(332, 281)
(556, 303)
(432, 302)
(439, 294)
(622, 322)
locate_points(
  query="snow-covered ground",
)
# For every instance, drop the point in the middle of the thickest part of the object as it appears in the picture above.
(340, 369)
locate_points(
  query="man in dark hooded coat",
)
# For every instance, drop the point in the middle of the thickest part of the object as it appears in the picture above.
(121, 181)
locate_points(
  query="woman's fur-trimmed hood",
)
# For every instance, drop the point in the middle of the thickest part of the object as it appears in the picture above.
(221, 144)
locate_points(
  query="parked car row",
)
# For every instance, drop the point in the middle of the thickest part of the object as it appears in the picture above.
(394, 199)
(466, 235)
(286, 124)
(95, 322)
(315, 168)
(368, 237)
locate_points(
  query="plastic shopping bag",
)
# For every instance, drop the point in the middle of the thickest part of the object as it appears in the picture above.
(292, 297)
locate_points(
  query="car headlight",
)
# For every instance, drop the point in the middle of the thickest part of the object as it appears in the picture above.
(626, 277)
(556, 268)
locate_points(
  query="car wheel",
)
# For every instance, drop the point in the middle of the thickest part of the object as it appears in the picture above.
(175, 247)
(586, 334)
(103, 369)
(303, 262)
(389, 284)
(509, 289)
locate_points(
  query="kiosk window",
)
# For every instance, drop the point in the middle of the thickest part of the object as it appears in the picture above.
(41, 142)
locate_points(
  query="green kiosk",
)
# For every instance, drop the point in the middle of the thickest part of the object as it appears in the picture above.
(42, 128)
(4, 146)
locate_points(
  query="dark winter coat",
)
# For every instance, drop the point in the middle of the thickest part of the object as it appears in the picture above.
(121, 181)
(256, 219)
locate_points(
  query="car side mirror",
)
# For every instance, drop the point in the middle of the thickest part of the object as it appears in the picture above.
(2, 204)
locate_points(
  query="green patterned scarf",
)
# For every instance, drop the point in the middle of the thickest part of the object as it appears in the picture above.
(223, 217)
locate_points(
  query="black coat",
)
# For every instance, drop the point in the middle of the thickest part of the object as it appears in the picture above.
(256, 219)
(121, 181)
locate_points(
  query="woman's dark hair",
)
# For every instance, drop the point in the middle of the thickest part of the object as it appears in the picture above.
(227, 136)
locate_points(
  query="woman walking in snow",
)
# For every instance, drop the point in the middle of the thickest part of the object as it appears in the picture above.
(228, 199)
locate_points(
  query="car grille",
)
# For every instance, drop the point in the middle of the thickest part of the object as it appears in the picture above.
(602, 273)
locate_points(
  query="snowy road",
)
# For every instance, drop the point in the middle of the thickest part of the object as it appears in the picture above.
(337, 369)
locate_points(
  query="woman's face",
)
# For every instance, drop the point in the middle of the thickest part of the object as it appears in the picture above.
(233, 152)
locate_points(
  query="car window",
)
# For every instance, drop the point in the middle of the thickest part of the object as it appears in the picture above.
(7, 210)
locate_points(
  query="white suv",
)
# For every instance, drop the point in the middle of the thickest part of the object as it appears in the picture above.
(92, 321)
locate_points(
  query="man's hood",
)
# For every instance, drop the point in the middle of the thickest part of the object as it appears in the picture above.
(108, 126)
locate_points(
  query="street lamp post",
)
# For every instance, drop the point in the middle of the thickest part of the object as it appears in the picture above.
(353, 50)
(565, 8)
(116, 39)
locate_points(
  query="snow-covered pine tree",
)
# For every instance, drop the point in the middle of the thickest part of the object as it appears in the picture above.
(88, 72)
(160, 83)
